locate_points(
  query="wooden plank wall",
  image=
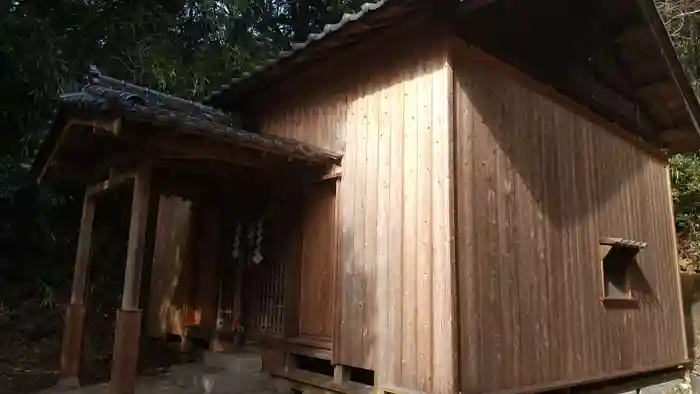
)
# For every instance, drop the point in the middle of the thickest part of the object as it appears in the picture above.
(385, 105)
(318, 262)
(169, 307)
(206, 228)
(536, 186)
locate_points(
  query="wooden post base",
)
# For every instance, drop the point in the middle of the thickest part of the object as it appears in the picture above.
(126, 352)
(71, 345)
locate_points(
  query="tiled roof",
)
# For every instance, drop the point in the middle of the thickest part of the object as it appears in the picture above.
(109, 98)
(349, 29)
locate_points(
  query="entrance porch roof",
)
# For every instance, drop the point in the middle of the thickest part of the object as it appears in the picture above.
(110, 119)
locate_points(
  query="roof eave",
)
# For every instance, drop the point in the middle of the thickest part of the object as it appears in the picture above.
(675, 69)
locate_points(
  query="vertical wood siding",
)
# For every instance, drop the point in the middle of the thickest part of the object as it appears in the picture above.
(385, 106)
(318, 262)
(536, 186)
(170, 306)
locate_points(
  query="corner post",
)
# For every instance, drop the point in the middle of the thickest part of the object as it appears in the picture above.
(71, 345)
(341, 374)
(128, 327)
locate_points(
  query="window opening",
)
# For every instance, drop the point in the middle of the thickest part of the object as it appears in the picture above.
(618, 256)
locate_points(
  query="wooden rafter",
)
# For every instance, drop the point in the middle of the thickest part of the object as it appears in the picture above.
(653, 20)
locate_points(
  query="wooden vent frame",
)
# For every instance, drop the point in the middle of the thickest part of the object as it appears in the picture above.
(617, 256)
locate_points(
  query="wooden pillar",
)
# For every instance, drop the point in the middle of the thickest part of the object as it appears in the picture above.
(341, 374)
(128, 329)
(75, 311)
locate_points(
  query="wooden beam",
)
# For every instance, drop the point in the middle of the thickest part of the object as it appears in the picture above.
(137, 237)
(341, 374)
(675, 136)
(335, 176)
(71, 346)
(581, 86)
(184, 147)
(128, 330)
(82, 255)
(115, 181)
(653, 20)
(125, 353)
(75, 312)
(59, 140)
(473, 5)
(607, 65)
(113, 126)
(461, 48)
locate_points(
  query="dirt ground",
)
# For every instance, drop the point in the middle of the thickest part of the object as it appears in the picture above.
(30, 346)
(30, 342)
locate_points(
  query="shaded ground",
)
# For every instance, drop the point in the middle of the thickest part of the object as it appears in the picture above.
(30, 344)
(144, 385)
(29, 347)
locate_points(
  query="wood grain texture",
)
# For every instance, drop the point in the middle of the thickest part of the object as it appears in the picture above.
(389, 115)
(126, 352)
(207, 222)
(318, 262)
(82, 254)
(537, 185)
(72, 341)
(170, 305)
(137, 237)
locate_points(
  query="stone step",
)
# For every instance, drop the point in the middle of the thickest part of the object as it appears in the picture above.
(234, 362)
(206, 379)
(238, 383)
(190, 375)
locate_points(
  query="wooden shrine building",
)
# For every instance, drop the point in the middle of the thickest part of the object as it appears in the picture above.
(439, 196)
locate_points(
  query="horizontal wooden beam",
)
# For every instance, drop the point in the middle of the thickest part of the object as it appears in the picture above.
(336, 176)
(674, 135)
(461, 48)
(470, 6)
(113, 126)
(110, 184)
(673, 64)
(608, 103)
(192, 147)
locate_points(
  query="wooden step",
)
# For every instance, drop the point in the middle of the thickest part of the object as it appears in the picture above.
(314, 383)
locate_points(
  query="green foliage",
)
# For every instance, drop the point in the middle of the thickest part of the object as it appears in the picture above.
(682, 19)
(685, 178)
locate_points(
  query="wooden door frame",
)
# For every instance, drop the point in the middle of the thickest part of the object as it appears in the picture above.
(297, 342)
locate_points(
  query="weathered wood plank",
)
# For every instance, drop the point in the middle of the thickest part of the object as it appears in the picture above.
(137, 237)
(169, 272)
(564, 181)
(111, 184)
(369, 252)
(383, 279)
(410, 230)
(71, 344)
(82, 254)
(346, 341)
(442, 214)
(318, 251)
(464, 230)
(423, 267)
(394, 330)
(389, 234)
(126, 352)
